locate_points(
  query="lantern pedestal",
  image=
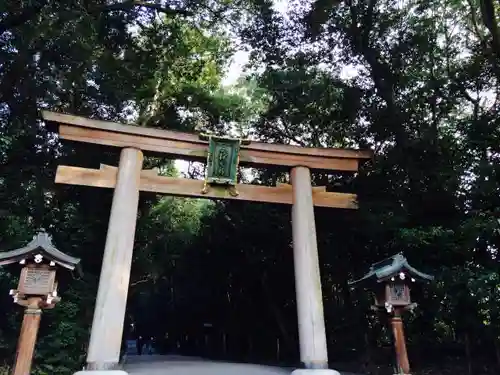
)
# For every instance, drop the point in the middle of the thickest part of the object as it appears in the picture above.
(400, 342)
(27, 337)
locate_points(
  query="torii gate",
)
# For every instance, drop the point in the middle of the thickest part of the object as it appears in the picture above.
(129, 178)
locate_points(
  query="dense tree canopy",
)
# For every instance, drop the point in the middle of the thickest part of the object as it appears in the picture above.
(418, 82)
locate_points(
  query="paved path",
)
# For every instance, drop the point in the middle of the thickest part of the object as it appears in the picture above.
(178, 365)
(170, 365)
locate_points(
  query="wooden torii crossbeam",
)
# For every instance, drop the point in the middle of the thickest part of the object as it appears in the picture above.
(222, 155)
(190, 147)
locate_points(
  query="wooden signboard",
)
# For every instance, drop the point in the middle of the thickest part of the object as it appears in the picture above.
(36, 281)
(398, 294)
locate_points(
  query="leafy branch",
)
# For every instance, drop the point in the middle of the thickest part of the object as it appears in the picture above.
(31, 12)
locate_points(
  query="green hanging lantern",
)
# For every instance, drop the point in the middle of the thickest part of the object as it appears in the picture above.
(222, 162)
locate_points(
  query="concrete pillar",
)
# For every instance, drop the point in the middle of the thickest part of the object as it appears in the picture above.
(109, 315)
(312, 335)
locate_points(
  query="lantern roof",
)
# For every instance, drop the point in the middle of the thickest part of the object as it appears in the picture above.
(390, 267)
(41, 244)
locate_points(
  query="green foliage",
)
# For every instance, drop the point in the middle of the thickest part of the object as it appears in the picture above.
(115, 62)
(417, 82)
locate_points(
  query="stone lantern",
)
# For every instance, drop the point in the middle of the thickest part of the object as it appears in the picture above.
(391, 280)
(36, 290)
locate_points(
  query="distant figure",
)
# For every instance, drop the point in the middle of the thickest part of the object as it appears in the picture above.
(139, 345)
(146, 346)
(150, 347)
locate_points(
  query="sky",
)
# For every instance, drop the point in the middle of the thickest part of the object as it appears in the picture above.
(240, 58)
(235, 71)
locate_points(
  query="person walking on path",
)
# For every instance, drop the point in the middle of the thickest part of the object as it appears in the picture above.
(139, 345)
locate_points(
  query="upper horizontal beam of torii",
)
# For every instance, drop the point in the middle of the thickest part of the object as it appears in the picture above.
(189, 147)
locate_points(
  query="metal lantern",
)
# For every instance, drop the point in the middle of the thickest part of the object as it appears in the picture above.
(37, 289)
(222, 162)
(391, 280)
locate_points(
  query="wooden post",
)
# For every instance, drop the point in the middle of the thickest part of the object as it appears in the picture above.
(400, 343)
(312, 335)
(109, 314)
(27, 337)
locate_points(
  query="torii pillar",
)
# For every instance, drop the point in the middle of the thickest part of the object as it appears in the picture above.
(312, 333)
(109, 314)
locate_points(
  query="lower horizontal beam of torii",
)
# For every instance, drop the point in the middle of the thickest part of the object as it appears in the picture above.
(105, 177)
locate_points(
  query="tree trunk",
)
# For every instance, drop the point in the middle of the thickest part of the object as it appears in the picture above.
(277, 315)
(368, 367)
(468, 353)
(497, 352)
(250, 347)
